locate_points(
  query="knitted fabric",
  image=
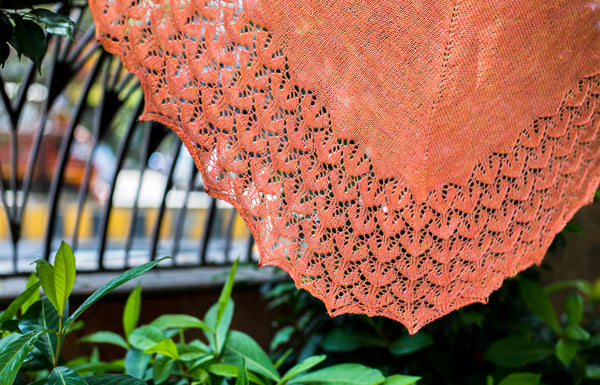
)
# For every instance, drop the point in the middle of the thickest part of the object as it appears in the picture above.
(396, 158)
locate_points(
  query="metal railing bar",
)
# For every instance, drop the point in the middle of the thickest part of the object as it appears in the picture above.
(37, 141)
(143, 159)
(56, 183)
(86, 56)
(120, 158)
(81, 44)
(181, 213)
(115, 75)
(249, 248)
(21, 98)
(163, 203)
(229, 233)
(12, 113)
(208, 226)
(124, 81)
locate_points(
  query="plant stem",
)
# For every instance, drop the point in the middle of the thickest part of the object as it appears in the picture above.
(58, 340)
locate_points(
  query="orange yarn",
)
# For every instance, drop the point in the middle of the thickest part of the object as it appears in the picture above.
(397, 158)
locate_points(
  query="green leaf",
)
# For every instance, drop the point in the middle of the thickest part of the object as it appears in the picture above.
(18, 302)
(565, 350)
(572, 228)
(114, 379)
(4, 53)
(189, 352)
(226, 292)
(56, 24)
(42, 316)
(178, 321)
(231, 371)
(46, 277)
(574, 309)
(257, 361)
(29, 40)
(305, 365)
(217, 340)
(514, 352)
(521, 379)
(145, 337)
(200, 375)
(136, 363)
(339, 340)
(165, 347)
(399, 379)
(282, 337)
(538, 302)
(105, 337)
(242, 377)
(161, 368)
(410, 344)
(65, 376)
(6, 28)
(344, 374)
(31, 281)
(64, 275)
(13, 355)
(578, 333)
(592, 372)
(111, 285)
(131, 314)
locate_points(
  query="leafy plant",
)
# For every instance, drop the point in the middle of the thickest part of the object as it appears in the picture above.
(520, 337)
(160, 353)
(31, 345)
(24, 28)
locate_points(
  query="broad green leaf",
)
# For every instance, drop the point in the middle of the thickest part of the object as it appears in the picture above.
(46, 277)
(592, 372)
(6, 28)
(131, 314)
(56, 23)
(4, 53)
(136, 363)
(65, 376)
(18, 302)
(282, 336)
(231, 371)
(217, 340)
(305, 365)
(201, 361)
(242, 377)
(42, 316)
(189, 352)
(521, 379)
(410, 344)
(565, 350)
(31, 281)
(514, 352)
(399, 379)
(538, 302)
(339, 340)
(114, 379)
(13, 354)
(97, 367)
(343, 374)
(578, 333)
(574, 309)
(105, 337)
(257, 360)
(200, 376)
(64, 275)
(178, 321)
(145, 337)
(161, 368)
(29, 40)
(165, 347)
(226, 292)
(111, 285)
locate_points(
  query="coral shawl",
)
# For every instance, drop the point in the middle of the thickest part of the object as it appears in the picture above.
(397, 158)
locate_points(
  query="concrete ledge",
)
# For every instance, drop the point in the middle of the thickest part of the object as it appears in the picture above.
(157, 280)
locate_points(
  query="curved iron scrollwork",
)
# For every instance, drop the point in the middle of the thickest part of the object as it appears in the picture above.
(78, 165)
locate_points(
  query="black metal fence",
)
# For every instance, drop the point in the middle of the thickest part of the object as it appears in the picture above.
(78, 165)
